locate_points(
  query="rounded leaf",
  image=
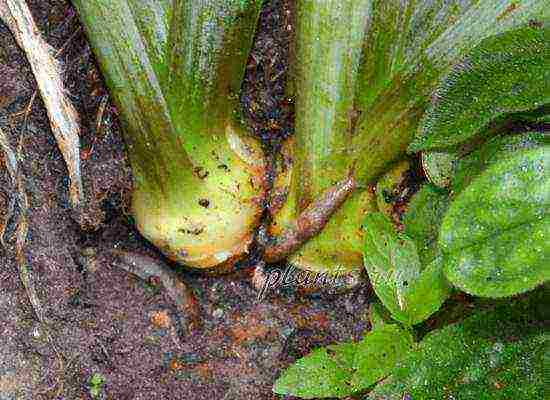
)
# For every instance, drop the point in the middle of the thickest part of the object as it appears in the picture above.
(496, 234)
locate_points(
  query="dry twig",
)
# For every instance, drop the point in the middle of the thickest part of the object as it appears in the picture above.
(63, 118)
(64, 123)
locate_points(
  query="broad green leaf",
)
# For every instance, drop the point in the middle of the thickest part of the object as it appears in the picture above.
(391, 259)
(422, 220)
(505, 73)
(494, 355)
(455, 168)
(340, 370)
(496, 233)
(496, 149)
(325, 372)
(410, 292)
(515, 261)
(378, 353)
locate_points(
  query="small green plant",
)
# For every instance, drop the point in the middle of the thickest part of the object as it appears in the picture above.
(95, 385)
(497, 352)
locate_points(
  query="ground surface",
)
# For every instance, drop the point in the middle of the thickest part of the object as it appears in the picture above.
(98, 320)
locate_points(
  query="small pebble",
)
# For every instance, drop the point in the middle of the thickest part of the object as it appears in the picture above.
(161, 319)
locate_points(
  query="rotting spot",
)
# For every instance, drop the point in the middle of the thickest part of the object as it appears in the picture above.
(204, 203)
(200, 172)
(194, 231)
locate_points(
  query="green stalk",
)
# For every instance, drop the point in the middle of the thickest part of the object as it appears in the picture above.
(174, 69)
(366, 72)
(329, 36)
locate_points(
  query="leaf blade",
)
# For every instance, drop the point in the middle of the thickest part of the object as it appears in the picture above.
(468, 167)
(504, 74)
(411, 291)
(378, 354)
(346, 368)
(495, 233)
(493, 355)
(319, 374)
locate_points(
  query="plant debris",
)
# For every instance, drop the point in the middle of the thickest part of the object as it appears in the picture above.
(64, 120)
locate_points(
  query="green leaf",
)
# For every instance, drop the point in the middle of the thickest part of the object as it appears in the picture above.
(392, 262)
(455, 168)
(498, 148)
(422, 220)
(496, 233)
(438, 166)
(325, 372)
(95, 384)
(490, 356)
(378, 315)
(378, 353)
(340, 370)
(505, 73)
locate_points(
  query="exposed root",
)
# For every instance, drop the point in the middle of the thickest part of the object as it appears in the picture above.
(310, 222)
(11, 166)
(21, 200)
(63, 118)
(148, 268)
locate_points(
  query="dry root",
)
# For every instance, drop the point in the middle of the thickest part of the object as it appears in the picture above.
(310, 222)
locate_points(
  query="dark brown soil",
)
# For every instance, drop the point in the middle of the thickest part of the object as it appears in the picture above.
(99, 319)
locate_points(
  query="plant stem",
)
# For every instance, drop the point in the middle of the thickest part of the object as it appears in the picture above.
(174, 69)
(329, 41)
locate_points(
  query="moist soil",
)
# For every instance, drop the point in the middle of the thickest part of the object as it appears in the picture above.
(104, 333)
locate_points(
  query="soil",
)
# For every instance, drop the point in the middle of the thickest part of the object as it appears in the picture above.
(101, 323)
